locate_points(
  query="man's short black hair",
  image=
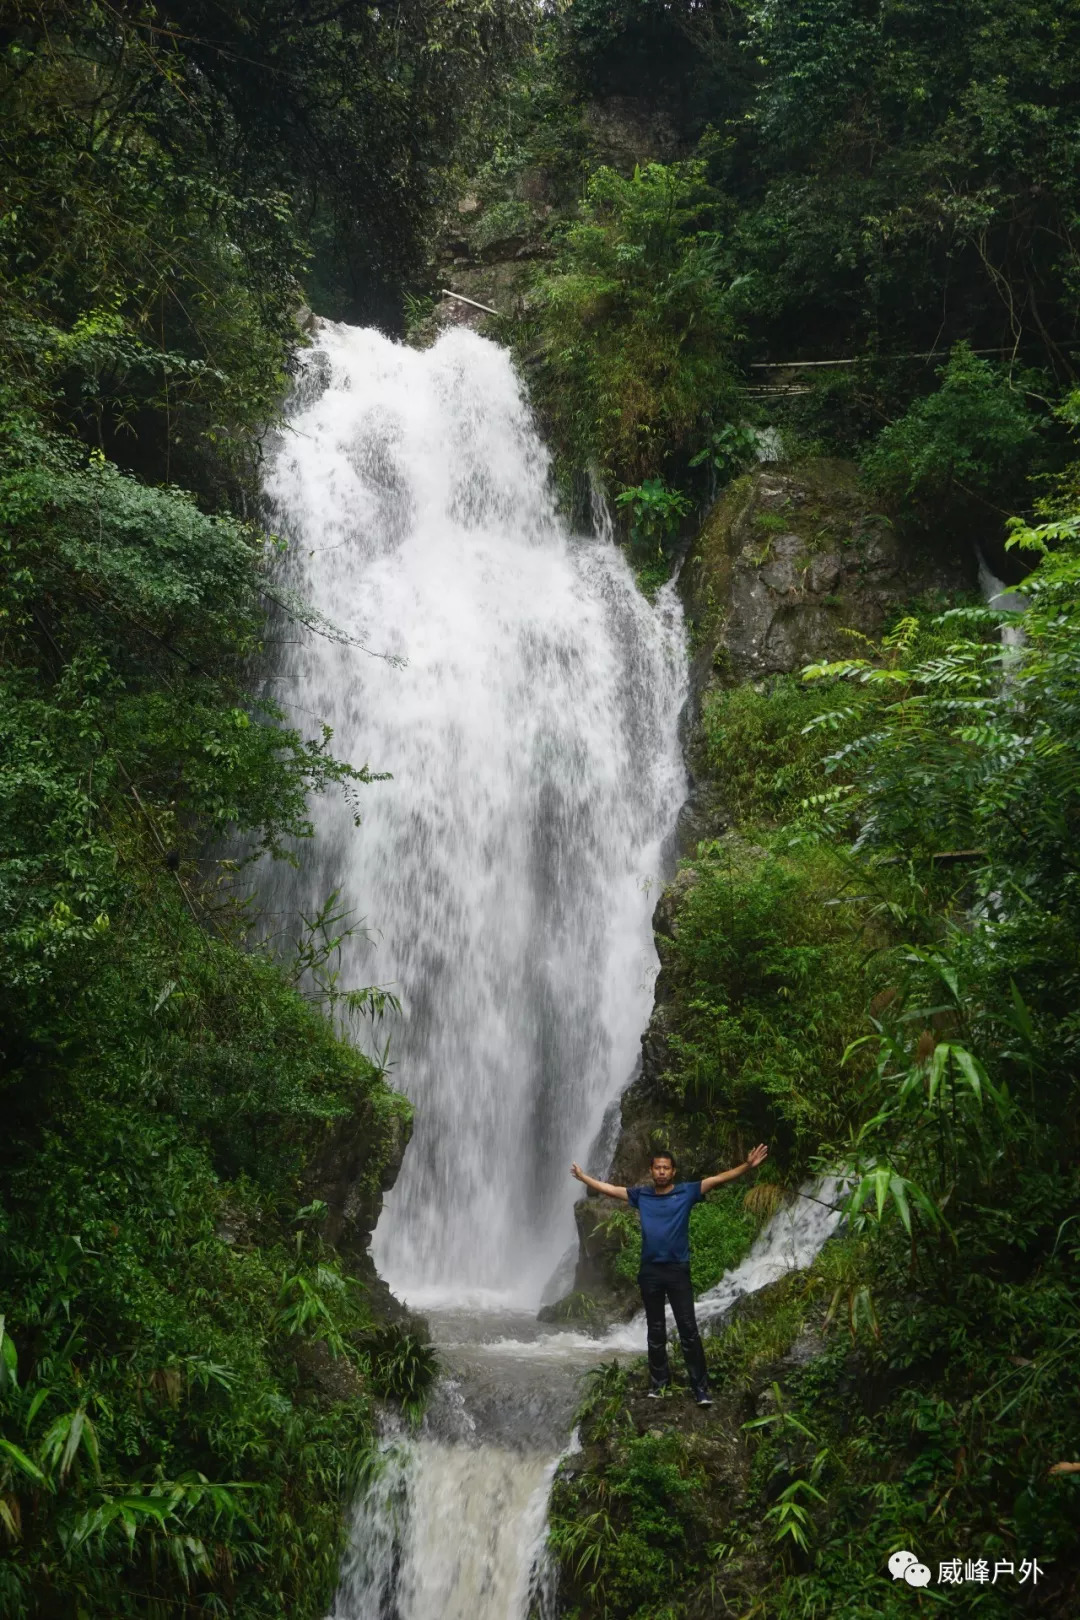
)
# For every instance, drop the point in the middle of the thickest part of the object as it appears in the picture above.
(662, 1153)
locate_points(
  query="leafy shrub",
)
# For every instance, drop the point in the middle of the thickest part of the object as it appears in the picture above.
(770, 976)
(758, 744)
(403, 1367)
(183, 1407)
(972, 438)
(627, 1535)
(634, 334)
(655, 511)
(157, 1433)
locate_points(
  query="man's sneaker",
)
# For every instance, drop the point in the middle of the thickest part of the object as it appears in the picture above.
(656, 1392)
(704, 1399)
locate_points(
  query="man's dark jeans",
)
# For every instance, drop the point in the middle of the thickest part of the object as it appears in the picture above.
(671, 1281)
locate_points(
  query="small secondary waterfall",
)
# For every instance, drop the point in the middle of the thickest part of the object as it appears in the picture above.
(998, 596)
(525, 699)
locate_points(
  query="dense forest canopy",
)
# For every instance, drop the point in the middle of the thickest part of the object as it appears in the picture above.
(841, 182)
(187, 1366)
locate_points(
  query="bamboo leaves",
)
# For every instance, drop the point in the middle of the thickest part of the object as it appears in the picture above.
(17, 1459)
(67, 1435)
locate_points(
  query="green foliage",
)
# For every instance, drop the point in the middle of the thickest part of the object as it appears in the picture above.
(973, 437)
(722, 1230)
(159, 1078)
(877, 967)
(946, 1317)
(626, 1536)
(501, 222)
(632, 371)
(163, 1090)
(728, 451)
(769, 967)
(655, 511)
(403, 1367)
(655, 514)
(892, 180)
(229, 131)
(159, 1433)
(755, 1341)
(764, 747)
(186, 1370)
(909, 150)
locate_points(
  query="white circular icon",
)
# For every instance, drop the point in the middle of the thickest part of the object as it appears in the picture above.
(900, 1562)
(917, 1575)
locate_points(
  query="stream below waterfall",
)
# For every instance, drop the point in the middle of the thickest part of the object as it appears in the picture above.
(524, 699)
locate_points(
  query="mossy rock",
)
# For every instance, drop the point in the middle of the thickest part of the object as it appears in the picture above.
(791, 560)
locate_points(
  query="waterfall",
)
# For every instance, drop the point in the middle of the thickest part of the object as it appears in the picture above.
(525, 704)
(453, 1526)
(525, 699)
(998, 596)
(448, 1532)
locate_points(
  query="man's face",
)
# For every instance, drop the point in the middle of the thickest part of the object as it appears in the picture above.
(662, 1171)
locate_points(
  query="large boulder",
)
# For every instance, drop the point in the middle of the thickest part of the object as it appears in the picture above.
(794, 564)
(790, 561)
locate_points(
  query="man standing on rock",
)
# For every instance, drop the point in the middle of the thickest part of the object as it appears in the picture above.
(664, 1209)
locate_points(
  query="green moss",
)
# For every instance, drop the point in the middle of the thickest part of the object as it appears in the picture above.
(651, 575)
(501, 222)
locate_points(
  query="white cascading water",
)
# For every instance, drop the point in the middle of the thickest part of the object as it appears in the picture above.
(998, 596)
(529, 723)
(453, 1525)
(525, 699)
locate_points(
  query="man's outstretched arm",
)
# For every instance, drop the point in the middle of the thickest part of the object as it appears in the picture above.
(755, 1157)
(598, 1186)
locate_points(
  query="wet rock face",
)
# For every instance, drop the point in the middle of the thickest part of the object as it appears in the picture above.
(628, 131)
(355, 1166)
(792, 559)
(599, 1244)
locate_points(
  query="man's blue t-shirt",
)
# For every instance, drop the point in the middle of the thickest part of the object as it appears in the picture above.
(665, 1222)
